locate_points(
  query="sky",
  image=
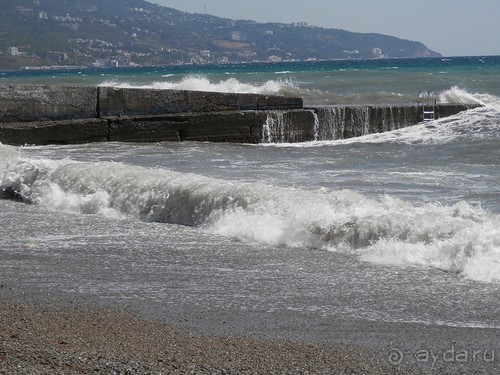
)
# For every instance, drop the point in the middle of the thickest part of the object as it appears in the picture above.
(450, 27)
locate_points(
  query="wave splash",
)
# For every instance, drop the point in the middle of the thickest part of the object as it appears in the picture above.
(474, 125)
(457, 95)
(289, 86)
(231, 85)
(458, 238)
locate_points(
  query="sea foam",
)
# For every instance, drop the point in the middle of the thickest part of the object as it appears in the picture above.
(457, 95)
(475, 124)
(200, 82)
(458, 238)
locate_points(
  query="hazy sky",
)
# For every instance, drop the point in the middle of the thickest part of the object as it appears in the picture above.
(450, 27)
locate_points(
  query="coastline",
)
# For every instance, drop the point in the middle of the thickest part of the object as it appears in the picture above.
(59, 311)
(48, 332)
(40, 338)
(73, 285)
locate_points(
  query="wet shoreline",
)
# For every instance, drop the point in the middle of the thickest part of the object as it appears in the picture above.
(53, 331)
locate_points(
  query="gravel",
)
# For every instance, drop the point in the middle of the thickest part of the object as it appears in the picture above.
(40, 338)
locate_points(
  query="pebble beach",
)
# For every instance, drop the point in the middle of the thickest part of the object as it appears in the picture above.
(48, 339)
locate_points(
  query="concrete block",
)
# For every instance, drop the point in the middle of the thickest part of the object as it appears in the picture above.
(46, 102)
(233, 126)
(145, 129)
(54, 132)
(143, 102)
(287, 126)
(224, 127)
(445, 110)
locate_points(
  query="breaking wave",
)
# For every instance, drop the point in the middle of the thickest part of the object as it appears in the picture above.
(456, 95)
(231, 85)
(458, 238)
(289, 86)
(281, 86)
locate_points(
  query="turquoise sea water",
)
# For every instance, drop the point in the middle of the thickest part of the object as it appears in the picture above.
(381, 81)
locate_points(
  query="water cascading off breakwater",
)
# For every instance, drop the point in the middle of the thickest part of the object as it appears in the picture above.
(39, 114)
(341, 122)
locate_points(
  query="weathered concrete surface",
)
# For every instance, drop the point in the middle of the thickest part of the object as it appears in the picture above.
(54, 132)
(137, 102)
(45, 102)
(241, 126)
(41, 114)
(230, 126)
(446, 110)
(288, 126)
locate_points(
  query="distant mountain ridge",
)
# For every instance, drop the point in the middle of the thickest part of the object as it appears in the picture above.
(135, 32)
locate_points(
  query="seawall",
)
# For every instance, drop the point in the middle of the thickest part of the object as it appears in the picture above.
(44, 114)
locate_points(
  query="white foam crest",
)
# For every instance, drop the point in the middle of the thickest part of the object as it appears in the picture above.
(473, 251)
(7, 154)
(53, 196)
(457, 95)
(231, 85)
(458, 238)
(117, 189)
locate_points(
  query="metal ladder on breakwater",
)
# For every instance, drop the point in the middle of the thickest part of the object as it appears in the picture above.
(428, 101)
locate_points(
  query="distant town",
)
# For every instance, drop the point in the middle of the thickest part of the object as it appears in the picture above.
(100, 36)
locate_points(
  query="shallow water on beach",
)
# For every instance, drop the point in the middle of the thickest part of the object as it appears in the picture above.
(396, 227)
(177, 268)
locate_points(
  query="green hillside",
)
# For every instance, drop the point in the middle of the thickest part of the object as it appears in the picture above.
(124, 32)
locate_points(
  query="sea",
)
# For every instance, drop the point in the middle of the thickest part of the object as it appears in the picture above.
(402, 226)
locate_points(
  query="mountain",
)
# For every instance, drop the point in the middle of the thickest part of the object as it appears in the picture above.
(136, 32)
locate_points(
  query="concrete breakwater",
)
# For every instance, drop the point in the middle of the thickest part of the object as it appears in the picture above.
(41, 114)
